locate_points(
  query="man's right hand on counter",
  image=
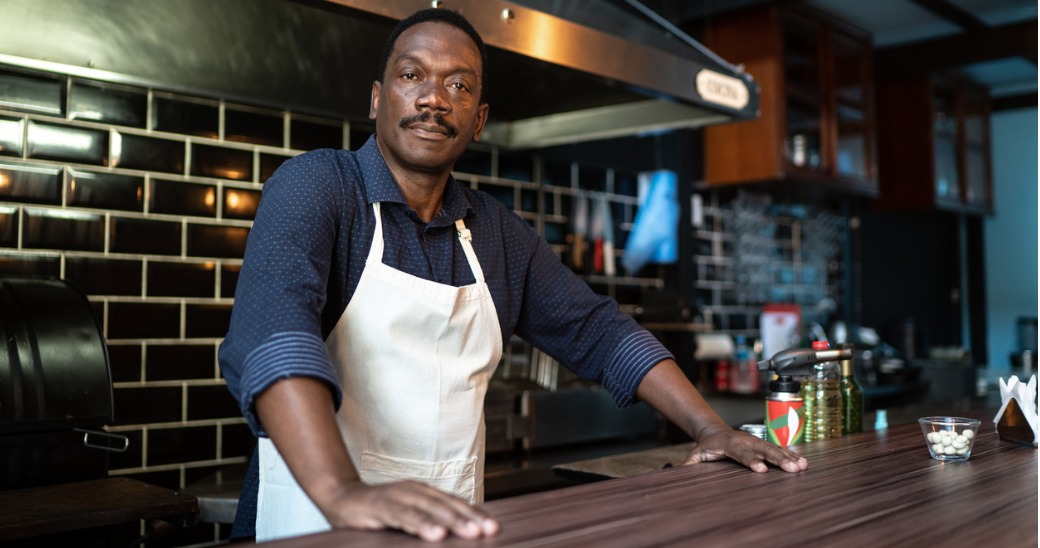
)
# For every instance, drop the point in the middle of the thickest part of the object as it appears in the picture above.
(310, 442)
(412, 507)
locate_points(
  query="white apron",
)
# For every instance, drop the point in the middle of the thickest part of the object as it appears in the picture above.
(414, 359)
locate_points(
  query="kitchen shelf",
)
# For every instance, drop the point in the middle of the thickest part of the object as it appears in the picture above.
(934, 130)
(816, 125)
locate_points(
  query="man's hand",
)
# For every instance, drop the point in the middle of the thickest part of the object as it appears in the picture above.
(412, 507)
(666, 389)
(309, 440)
(746, 449)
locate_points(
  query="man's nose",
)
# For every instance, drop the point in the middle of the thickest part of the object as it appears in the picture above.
(434, 96)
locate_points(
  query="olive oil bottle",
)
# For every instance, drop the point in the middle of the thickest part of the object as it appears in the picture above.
(822, 396)
(851, 399)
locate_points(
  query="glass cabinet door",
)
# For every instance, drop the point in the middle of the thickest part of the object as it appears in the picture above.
(852, 107)
(944, 130)
(803, 101)
(976, 140)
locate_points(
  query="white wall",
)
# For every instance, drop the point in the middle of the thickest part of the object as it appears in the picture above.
(1011, 233)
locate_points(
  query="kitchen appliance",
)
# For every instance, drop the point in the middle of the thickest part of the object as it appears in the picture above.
(561, 72)
(55, 386)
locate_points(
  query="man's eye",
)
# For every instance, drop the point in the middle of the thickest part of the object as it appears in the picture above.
(459, 86)
(409, 76)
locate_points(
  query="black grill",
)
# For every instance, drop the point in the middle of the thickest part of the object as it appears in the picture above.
(55, 386)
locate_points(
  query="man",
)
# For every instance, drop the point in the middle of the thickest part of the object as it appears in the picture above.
(374, 300)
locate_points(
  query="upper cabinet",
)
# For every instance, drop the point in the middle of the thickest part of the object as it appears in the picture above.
(816, 123)
(934, 154)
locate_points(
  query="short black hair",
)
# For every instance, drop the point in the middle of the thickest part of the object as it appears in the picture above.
(437, 15)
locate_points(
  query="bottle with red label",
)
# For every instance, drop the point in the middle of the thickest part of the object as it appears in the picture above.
(785, 416)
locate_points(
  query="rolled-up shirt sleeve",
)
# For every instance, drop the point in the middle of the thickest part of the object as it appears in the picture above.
(276, 322)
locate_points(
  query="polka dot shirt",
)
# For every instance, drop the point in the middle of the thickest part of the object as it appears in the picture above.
(308, 246)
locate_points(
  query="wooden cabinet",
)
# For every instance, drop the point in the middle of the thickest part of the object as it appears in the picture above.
(816, 98)
(934, 144)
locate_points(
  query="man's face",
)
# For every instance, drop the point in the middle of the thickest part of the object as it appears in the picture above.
(427, 109)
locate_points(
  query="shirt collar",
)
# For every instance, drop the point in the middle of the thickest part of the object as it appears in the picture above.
(380, 186)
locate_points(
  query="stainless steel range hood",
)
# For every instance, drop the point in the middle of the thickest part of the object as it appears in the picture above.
(554, 79)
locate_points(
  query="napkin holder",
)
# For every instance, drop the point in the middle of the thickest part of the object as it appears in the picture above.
(1016, 420)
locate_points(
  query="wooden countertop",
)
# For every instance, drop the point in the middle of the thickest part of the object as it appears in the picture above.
(26, 513)
(875, 488)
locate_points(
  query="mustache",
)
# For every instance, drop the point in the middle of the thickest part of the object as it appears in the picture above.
(425, 117)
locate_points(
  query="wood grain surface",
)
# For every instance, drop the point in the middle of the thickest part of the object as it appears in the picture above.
(876, 488)
(26, 513)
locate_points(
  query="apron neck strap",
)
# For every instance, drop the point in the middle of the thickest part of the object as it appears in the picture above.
(466, 239)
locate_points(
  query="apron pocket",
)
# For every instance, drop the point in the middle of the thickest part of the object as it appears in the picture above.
(457, 477)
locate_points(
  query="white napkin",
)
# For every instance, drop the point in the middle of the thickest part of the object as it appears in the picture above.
(1025, 396)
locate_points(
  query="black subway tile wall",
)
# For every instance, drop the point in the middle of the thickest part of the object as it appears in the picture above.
(144, 236)
(181, 361)
(237, 440)
(172, 445)
(125, 363)
(137, 320)
(254, 127)
(30, 184)
(227, 163)
(36, 93)
(181, 279)
(102, 276)
(130, 151)
(240, 203)
(67, 144)
(182, 198)
(100, 190)
(133, 457)
(143, 199)
(216, 241)
(109, 104)
(210, 402)
(24, 264)
(11, 136)
(312, 134)
(148, 404)
(269, 163)
(206, 321)
(186, 116)
(229, 279)
(62, 229)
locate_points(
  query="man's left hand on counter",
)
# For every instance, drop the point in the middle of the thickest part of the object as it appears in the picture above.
(746, 449)
(667, 389)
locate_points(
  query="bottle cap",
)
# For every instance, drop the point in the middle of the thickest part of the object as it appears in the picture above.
(820, 345)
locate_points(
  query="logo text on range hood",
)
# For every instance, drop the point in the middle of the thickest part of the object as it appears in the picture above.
(722, 90)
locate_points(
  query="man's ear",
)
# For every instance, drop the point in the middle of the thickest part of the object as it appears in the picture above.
(482, 115)
(373, 106)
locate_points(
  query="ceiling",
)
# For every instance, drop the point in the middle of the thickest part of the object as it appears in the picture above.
(992, 41)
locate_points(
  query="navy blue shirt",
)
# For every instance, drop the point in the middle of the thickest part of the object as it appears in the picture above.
(307, 249)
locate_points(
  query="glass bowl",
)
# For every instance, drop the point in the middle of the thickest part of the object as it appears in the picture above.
(949, 438)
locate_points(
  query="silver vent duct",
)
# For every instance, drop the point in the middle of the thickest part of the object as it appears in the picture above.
(553, 79)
